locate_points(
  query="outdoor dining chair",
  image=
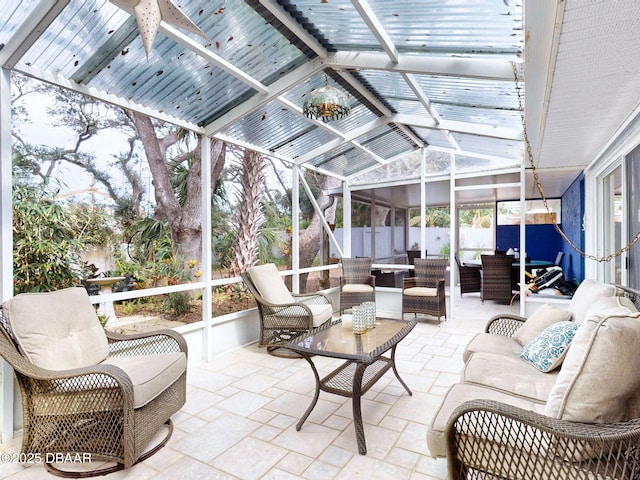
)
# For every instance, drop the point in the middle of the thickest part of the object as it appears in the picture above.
(357, 284)
(497, 278)
(424, 293)
(469, 277)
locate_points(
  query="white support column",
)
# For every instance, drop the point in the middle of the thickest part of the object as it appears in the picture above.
(423, 202)
(523, 250)
(205, 179)
(6, 241)
(346, 219)
(453, 237)
(295, 228)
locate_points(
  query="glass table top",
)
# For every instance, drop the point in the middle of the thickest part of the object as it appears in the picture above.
(338, 340)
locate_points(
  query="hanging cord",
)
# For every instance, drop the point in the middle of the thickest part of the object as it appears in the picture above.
(534, 171)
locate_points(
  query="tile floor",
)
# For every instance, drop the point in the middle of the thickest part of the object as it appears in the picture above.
(242, 407)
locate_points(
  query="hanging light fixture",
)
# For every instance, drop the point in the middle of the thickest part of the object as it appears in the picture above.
(326, 103)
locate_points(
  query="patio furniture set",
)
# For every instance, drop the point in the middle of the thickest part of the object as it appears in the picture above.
(514, 413)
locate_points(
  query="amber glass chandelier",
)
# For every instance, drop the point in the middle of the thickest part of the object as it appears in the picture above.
(326, 103)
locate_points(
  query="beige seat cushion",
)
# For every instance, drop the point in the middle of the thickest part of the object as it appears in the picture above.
(321, 313)
(509, 374)
(270, 284)
(150, 374)
(57, 330)
(585, 295)
(357, 288)
(420, 292)
(489, 342)
(600, 373)
(462, 392)
(546, 315)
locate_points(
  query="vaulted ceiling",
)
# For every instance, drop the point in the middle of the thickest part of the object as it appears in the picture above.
(439, 74)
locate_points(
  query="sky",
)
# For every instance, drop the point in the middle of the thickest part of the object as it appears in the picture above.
(73, 180)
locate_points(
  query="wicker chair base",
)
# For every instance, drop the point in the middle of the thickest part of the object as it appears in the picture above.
(58, 472)
(282, 352)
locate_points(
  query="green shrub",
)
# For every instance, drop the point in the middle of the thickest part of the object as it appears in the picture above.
(178, 302)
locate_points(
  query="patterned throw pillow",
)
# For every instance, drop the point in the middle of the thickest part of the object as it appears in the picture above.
(547, 350)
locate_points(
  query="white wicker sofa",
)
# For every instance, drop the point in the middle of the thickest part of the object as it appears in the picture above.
(553, 396)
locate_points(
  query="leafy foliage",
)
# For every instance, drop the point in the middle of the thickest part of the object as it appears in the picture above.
(47, 242)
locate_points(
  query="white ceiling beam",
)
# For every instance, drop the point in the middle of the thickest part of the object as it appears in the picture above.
(344, 139)
(485, 68)
(426, 102)
(292, 107)
(373, 155)
(31, 29)
(341, 136)
(374, 167)
(276, 89)
(253, 147)
(420, 95)
(187, 42)
(64, 82)
(459, 127)
(293, 25)
(370, 18)
(377, 103)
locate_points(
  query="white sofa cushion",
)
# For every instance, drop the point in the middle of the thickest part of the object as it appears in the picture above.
(585, 295)
(57, 330)
(547, 350)
(510, 374)
(270, 284)
(489, 342)
(462, 392)
(546, 315)
(600, 373)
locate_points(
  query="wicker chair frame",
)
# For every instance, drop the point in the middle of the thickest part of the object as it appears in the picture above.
(279, 323)
(492, 440)
(91, 410)
(356, 271)
(411, 257)
(429, 272)
(469, 278)
(496, 278)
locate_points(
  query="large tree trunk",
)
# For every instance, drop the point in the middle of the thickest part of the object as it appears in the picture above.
(311, 237)
(184, 221)
(250, 215)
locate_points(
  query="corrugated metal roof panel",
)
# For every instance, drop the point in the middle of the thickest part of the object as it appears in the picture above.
(13, 14)
(470, 26)
(507, 149)
(386, 142)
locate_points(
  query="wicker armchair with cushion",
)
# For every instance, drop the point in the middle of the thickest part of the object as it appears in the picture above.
(283, 315)
(469, 277)
(424, 293)
(357, 284)
(496, 278)
(535, 403)
(86, 390)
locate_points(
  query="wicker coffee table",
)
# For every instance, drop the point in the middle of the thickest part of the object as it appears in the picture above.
(365, 363)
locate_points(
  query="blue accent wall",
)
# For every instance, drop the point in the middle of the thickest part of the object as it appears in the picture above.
(572, 215)
(544, 242)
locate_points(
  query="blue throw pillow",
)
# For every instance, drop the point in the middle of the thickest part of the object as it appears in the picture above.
(547, 350)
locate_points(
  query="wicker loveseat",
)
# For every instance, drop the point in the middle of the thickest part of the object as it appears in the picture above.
(515, 418)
